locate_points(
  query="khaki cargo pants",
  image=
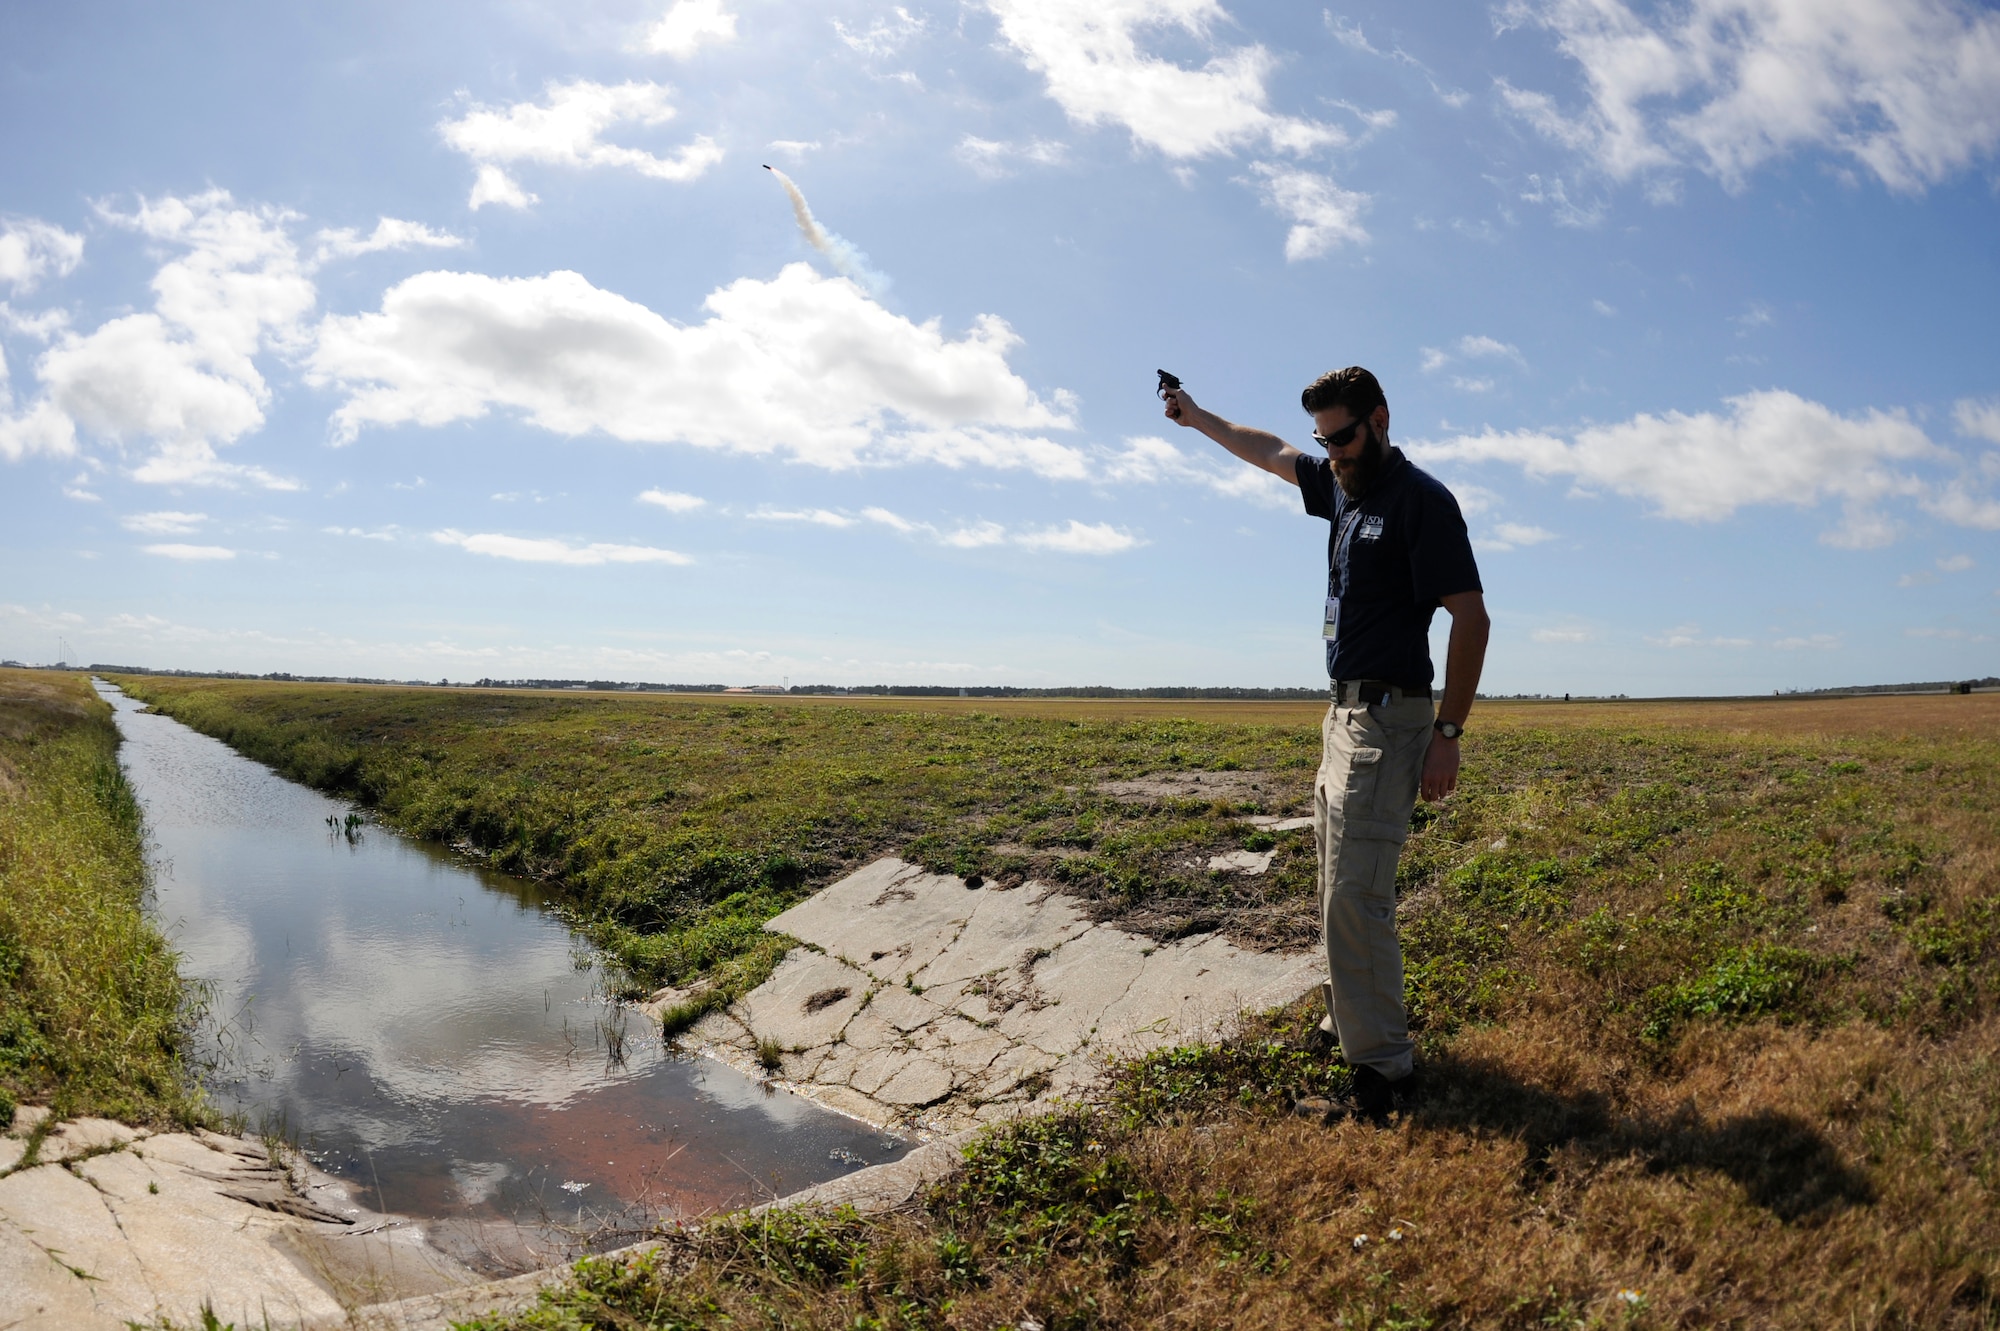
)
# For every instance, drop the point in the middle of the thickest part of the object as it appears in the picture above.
(1371, 760)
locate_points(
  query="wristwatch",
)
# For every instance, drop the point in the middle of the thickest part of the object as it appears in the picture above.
(1449, 729)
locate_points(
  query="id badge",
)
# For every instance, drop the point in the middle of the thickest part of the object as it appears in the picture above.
(1330, 627)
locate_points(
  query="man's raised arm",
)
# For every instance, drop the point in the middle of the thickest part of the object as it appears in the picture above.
(1256, 447)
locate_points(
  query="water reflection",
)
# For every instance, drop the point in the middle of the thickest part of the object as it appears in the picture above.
(433, 1033)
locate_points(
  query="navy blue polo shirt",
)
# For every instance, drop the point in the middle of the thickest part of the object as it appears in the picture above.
(1391, 557)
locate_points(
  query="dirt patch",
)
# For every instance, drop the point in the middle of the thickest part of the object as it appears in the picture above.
(1048, 852)
(1232, 786)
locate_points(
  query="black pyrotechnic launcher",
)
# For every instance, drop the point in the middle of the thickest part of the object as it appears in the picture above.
(1168, 384)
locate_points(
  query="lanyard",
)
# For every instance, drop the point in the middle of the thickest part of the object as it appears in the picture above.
(1341, 542)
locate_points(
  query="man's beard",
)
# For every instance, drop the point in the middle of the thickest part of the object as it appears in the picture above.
(1357, 476)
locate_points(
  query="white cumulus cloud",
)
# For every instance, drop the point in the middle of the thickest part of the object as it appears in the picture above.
(31, 250)
(1095, 68)
(182, 376)
(687, 26)
(1908, 88)
(1771, 447)
(173, 550)
(802, 364)
(567, 129)
(545, 550)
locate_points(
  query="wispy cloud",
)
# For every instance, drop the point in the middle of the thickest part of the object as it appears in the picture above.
(1512, 536)
(390, 233)
(166, 522)
(1948, 634)
(818, 517)
(1690, 635)
(994, 159)
(672, 500)
(888, 34)
(545, 550)
(1151, 460)
(1978, 419)
(172, 550)
(1324, 216)
(1910, 89)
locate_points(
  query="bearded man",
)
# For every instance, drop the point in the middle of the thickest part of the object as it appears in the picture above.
(1397, 551)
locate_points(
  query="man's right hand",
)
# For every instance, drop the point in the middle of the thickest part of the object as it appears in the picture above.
(1181, 408)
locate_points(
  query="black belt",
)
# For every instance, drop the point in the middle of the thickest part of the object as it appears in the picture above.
(1371, 691)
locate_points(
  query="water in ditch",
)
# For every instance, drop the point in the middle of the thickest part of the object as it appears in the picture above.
(432, 1033)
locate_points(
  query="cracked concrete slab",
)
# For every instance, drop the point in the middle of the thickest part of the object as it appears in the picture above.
(115, 1225)
(925, 1004)
(1272, 822)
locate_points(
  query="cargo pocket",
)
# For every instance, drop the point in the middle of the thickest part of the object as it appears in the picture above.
(1367, 811)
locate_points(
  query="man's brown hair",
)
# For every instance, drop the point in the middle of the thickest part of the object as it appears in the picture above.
(1353, 388)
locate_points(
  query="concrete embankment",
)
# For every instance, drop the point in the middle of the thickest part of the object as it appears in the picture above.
(923, 1003)
(103, 1225)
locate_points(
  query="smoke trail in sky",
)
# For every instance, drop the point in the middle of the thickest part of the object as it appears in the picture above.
(844, 256)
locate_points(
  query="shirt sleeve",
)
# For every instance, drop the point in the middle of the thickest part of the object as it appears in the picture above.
(1316, 485)
(1441, 562)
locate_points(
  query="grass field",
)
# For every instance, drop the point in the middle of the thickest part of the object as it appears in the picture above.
(91, 1006)
(1706, 993)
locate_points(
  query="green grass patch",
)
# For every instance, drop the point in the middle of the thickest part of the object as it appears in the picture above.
(93, 1013)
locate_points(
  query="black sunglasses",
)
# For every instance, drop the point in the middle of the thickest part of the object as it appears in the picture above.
(1340, 438)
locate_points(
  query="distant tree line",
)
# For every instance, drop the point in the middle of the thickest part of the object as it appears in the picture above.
(974, 690)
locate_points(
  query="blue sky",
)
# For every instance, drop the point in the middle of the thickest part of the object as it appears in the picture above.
(463, 340)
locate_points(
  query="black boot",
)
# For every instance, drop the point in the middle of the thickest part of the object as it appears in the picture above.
(1376, 1097)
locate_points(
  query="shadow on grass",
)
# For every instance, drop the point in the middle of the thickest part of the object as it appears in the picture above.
(1782, 1164)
